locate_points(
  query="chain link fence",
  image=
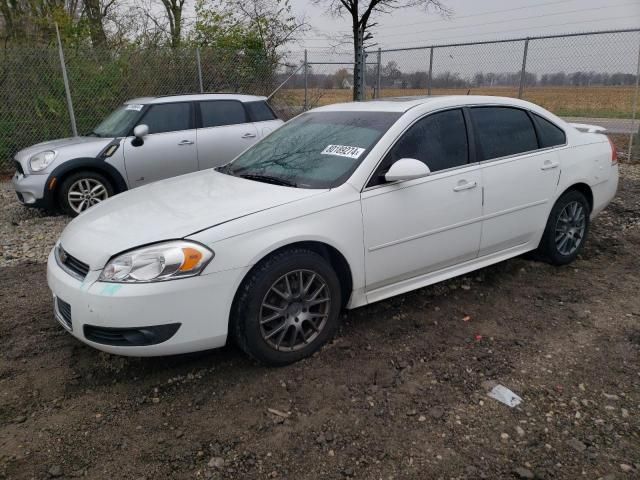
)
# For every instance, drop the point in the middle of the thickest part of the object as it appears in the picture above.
(585, 78)
(589, 78)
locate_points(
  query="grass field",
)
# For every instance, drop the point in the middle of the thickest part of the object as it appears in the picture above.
(604, 102)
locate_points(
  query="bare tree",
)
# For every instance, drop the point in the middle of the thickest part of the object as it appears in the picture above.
(173, 10)
(95, 12)
(363, 14)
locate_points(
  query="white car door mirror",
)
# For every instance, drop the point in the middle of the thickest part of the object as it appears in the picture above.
(407, 169)
(141, 131)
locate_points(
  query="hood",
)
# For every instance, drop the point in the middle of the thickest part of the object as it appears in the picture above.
(169, 209)
(73, 147)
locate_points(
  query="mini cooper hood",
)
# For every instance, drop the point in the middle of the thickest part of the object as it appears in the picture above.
(169, 209)
(79, 144)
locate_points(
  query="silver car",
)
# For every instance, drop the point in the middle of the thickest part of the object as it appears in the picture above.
(145, 140)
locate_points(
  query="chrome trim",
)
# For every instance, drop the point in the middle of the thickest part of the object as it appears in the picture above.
(57, 250)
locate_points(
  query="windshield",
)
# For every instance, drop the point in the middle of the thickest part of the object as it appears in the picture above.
(119, 122)
(315, 150)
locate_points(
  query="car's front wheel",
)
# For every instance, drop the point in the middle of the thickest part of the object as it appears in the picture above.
(287, 308)
(82, 190)
(566, 230)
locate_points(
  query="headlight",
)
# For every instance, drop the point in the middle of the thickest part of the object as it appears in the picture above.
(157, 263)
(41, 160)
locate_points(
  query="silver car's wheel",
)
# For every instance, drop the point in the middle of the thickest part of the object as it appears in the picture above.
(570, 228)
(85, 193)
(295, 310)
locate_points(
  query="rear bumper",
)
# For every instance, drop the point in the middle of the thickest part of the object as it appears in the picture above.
(604, 192)
(200, 305)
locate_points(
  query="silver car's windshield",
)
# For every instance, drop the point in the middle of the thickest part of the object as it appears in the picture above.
(119, 122)
(315, 150)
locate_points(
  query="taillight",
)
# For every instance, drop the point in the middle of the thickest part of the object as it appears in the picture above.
(614, 152)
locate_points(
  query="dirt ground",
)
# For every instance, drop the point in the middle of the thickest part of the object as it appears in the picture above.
(400, 393)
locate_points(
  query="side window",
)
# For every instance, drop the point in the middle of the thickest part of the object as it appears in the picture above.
(439, 140)
(548, 134)
(222, 112)
(168, 117)
(259, 111)
(503, 131)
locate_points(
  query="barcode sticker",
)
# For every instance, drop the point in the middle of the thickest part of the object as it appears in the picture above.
(134, 106)
(343, 151)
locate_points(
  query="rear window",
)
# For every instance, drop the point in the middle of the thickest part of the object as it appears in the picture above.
(259, 111)
(222, 112)
(503, 131)
(548, 134)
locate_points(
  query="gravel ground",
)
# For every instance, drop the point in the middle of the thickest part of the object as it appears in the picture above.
(26, 234)
(400, 393)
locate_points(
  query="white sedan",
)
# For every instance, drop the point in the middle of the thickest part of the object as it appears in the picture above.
(343, 206)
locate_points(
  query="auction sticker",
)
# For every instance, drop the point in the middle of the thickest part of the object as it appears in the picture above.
(134, 106)
(343, 151)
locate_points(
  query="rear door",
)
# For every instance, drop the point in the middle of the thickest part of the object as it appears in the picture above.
(224, 131)
(520, 173)
(169, 149)
(263, 117)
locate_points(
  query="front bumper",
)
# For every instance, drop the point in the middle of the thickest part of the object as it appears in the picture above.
(30, 189)
(201, 306)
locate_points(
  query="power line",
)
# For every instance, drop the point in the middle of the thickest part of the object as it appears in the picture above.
(455, 17)
(431, 41)
(509, 20)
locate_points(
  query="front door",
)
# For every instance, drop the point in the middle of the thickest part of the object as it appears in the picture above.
(417, 227)
(169, 150)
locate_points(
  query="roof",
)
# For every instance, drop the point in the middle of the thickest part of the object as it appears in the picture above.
(403, 104)
(196, 97)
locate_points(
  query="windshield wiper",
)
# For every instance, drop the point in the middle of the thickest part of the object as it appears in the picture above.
(269, 179)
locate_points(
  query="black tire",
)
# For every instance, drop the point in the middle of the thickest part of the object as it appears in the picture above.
(93, 177)
(548, 248)
(246, 329)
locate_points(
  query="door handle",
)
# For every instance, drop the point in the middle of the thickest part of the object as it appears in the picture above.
(185, 142)
(465, 186)
(549, 165)
(249, 135)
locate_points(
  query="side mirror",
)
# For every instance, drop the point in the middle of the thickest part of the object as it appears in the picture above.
(141, 131)
(407, 169)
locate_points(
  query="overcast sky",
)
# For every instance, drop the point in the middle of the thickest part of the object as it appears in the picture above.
(475, 20)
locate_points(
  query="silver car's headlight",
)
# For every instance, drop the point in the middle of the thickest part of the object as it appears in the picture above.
(41, 160)
(157, 263)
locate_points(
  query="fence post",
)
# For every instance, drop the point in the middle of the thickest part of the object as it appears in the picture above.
(67, 90)
(635, 107)
(306, 80)
(363, 76)
(523, 72)
(199, 69)
(378, 72)
(430, 77)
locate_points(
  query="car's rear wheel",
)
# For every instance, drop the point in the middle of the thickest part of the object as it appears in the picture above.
(82, 190)
(566, 230)
(287, 308)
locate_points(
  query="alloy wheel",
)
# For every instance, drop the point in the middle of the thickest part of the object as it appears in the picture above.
(295, 310)
(570, 228)
(85, 193)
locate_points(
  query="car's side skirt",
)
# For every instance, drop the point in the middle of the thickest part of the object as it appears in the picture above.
(430, 278)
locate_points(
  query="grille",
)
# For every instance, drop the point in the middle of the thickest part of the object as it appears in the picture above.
(18, 166)
(64, 313)
(71, 264)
